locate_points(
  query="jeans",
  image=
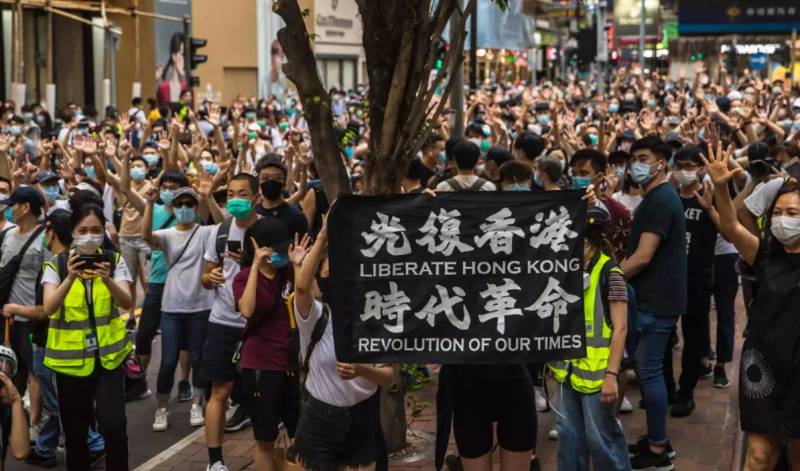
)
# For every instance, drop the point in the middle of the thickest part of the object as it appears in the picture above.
(100, 395)
(589, 431)
(47, 439)
(726, 284)
(179, 331)
(653, 333)
(151, 318)
(695, 340)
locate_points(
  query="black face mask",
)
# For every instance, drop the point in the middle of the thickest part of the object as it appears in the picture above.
(324, 285)
(272, 189)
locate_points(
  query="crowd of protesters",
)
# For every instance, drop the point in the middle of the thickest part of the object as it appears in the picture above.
(213, 220)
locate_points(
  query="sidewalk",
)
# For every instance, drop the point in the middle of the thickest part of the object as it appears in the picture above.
(705, 441)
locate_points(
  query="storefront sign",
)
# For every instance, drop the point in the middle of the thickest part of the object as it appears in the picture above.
(738, 16)
(628, 18)
(337, 22)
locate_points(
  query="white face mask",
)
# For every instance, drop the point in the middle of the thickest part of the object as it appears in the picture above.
(686, 177)
(786, 229)
(3, 196)
(87, 243)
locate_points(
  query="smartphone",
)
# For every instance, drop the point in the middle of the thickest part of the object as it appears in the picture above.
(92, 261)
(234, 246)
(793, 169)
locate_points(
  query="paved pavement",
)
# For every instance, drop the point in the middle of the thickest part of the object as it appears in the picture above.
(708, 440)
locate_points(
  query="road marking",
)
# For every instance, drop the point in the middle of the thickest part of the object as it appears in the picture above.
(171, 451)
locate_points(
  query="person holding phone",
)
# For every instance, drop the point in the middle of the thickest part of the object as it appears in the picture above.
(87, 340)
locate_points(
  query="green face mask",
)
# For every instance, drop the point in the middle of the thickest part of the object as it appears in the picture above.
(239, 208)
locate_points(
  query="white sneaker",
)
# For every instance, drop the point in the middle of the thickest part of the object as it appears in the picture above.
(625, 407)
(218, 466)
(231, 411)
(552, 434)
(196, 418)
(541, 400)
(160, 423)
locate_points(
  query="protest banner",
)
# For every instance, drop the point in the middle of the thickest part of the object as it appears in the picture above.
(460, 278)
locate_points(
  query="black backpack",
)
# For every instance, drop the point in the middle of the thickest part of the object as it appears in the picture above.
(9, 271)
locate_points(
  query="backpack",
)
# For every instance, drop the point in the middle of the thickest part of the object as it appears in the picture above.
(455, 185)
(9, 271)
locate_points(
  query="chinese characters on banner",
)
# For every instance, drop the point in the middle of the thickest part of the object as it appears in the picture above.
(459, 278)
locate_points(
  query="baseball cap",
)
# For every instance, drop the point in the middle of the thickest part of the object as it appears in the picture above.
(45, 175)
(674, 140)
(59, 222)
(25, 194)
(629, 135)
(184, 191)
(271, 232)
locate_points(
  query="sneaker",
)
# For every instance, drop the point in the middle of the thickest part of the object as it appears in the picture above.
(682, 408)
(646, 460)
(706, 372)
(184, 391)
(36, 459)
(97, 459)
(552, 434)
(641, 444)
(720, 378)
(218, 466)
(541, 400)
(160, 423)
(144, 395)
(238, 421)
(61, 448)
(453, 463)
(196, 418)
(625, 407)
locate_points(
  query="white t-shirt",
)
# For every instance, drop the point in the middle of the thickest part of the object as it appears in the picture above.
(184, 291)
(466, 181)
(323, 381)
(121, 274)
(223, 311)
(629, 201)
(763, 196)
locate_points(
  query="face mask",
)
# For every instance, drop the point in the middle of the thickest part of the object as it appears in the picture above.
(151, 159)
(442, 157)
(272, 189)
(594, 139)
(348, 152)
(686, 177)
(777, 90)
(651, 104)
(279, 260)
(27, 116)
(90, 172)
(629, 97)
(640, 172)
(580, 183)
(3, 196)
(563, 164)
(51, 193)
(239, 208)
(537, 179)
(786, 229)
(40, 120)
(517, 187)
(620, 171)
(138, 174)
(544, 120)
(88, 243)
(9, 215)
(626, 146)
(283, 126)
(166, 196)
(796, 126)
(613, 108)
(210, 167)
(485, 145)
(14, 130)
(184, 214)
(709, 97)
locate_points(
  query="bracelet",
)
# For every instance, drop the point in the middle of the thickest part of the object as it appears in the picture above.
(612, 373)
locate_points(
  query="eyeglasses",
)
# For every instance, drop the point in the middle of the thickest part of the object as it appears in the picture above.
(184, 204)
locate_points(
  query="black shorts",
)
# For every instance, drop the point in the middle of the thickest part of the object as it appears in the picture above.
(329, 437)
(218, 352)
(274, 397)
(479, 404)
(150, 318)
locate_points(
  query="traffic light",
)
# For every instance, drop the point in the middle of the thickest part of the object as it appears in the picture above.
(195, 44)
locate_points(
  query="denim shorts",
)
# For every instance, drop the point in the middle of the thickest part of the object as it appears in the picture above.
(329, 437)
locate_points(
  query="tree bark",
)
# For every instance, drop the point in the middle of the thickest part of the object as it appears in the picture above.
(301, 69)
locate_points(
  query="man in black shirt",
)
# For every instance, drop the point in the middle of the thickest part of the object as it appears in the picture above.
(272, 180)
(701, 237)
(656, 267)
(433, 157)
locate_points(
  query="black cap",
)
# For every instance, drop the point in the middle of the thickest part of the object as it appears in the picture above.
(25, 194)
(59, 222)
(271, 160)
(45, 175)
(270, 232)
(598, 216)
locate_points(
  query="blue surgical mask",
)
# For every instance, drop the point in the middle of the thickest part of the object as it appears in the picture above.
(51, 192)
(580, 183)
(279, 260)
(640, 173)
(210, 167)
(544, 119)
(14, 130)
(184, 214)
(620, 171)
(594, 139)
(151, 159)
(442, 157)
(348, 152)
(537, 179)
(90, 172)
(613, 108)
(517, 187)
(166, 196)
(9, 215)
(138, 174)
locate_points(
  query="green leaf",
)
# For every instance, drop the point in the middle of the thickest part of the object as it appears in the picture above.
(503, 4)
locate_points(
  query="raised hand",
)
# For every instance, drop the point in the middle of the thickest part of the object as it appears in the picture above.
(706, 199)
(717, 164)
(213, 115)
(299, 249)
(260, 254)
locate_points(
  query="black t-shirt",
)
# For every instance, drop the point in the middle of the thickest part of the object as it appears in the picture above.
(662, 284)
(701, 239)
(294, 220)
(425, 175)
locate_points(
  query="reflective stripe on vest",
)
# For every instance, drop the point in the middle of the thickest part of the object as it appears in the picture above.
(587, 374)
(69, 327)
